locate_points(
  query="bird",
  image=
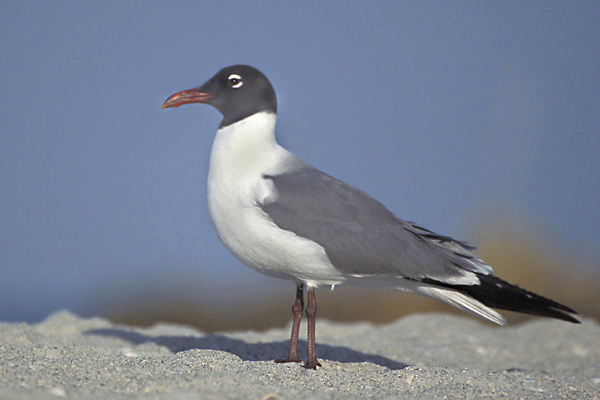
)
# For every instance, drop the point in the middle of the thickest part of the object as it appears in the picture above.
(284, 218)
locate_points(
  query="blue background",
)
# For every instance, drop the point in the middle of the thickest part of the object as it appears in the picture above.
(455, 115)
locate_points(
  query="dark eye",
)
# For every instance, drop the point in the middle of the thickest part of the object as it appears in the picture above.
(235, 81)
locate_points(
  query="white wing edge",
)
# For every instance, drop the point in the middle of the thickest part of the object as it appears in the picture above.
(463, 302)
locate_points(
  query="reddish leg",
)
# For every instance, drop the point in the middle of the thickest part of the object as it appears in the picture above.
(311, 314)
(297, 310)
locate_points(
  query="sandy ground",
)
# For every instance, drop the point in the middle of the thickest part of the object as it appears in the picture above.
(421, 356)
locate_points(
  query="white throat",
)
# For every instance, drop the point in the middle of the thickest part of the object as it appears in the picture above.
(246, 144)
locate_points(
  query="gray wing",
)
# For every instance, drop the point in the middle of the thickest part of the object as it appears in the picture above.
(360, 235)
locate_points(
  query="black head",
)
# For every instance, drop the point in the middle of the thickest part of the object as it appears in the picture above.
(237, 92)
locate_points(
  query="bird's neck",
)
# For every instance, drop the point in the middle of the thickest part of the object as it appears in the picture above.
(246, 145)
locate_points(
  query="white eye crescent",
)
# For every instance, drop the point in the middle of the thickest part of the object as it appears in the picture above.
(235, 81)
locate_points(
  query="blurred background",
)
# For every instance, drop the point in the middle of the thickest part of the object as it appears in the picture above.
(476, 119)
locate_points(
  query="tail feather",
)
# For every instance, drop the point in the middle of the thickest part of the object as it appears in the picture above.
(497, 293)
(462, 302)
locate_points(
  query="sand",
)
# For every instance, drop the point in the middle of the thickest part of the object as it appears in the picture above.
(425, 356)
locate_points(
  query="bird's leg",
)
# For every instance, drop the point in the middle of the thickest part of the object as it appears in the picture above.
(311, 314)
(297, 310)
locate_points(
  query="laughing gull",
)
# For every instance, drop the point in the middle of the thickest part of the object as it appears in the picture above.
(282, 217)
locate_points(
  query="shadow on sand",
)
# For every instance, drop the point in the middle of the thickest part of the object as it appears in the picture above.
(246, 351)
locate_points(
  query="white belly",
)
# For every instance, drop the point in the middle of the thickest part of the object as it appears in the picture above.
(242, 153)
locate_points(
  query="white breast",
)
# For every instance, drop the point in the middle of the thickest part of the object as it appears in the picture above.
(242, 153)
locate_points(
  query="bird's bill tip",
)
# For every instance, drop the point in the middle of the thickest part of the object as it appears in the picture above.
(187, 97)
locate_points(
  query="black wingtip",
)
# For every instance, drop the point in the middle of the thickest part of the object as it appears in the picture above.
(497, 293)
